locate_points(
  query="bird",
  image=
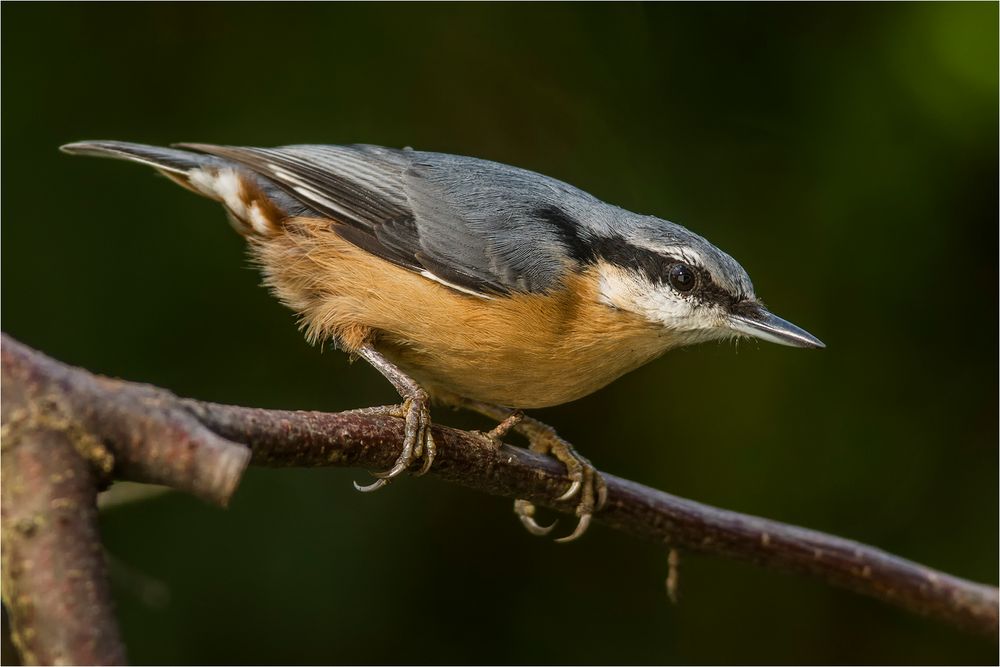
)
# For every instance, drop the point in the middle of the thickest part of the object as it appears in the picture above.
(470, 282)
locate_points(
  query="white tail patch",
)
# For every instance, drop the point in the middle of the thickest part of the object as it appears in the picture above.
(222, 185)
(244, 201)
(259, 220)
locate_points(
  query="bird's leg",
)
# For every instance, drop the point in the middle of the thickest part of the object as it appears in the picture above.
(543, 439)
(417, 438)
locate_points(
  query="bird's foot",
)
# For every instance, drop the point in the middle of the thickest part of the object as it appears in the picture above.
(586, 482)
(418, 441)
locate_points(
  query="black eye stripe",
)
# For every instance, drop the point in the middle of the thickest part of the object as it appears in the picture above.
(612, 249)
(708, 291)
(619, 252)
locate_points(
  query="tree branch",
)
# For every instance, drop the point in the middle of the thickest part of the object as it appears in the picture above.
(142, 433)
(54, 575)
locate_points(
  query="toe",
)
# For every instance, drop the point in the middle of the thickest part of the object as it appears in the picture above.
(430, 450)
(374, 486)
(573, 489)
(526, 513)
(581, 528)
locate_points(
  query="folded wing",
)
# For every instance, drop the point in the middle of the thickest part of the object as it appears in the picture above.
(471, 224)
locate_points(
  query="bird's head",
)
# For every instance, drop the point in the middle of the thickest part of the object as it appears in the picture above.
(678, 280)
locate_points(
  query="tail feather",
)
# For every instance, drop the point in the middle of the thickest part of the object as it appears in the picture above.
(256, 206)
(169, 160)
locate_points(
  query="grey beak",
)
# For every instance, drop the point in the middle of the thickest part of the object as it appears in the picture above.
(759, 323)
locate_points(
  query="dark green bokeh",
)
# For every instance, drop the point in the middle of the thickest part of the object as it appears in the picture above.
(845, 154)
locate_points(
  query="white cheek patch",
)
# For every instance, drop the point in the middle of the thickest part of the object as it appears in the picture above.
(626, 290)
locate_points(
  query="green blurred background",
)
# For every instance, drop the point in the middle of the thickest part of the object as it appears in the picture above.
(845, 154)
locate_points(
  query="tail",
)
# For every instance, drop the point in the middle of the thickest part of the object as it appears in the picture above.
(256, 206)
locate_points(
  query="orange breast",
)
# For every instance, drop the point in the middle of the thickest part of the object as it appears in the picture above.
(526, 350)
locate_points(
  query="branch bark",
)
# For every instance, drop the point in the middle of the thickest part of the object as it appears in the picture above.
(135, 432)
(54, 575)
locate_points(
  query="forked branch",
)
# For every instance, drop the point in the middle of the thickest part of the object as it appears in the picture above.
(60, 420)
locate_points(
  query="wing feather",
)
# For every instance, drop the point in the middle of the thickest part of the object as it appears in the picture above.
(468, 223)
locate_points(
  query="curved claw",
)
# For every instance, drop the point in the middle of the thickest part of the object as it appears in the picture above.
(581, 528)
(602, 493)
(417, 440)
(410, 443)
(402, 463)
(374, 486)
(571, 491)
(430, 449)
(532, 527)
(525, 512)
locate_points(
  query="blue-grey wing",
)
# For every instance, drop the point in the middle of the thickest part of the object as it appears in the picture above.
(476, 225)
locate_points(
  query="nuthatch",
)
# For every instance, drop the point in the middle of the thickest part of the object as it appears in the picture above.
(477, 283)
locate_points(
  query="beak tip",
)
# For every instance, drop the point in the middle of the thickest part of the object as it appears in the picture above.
(769, 327)
(817, 344)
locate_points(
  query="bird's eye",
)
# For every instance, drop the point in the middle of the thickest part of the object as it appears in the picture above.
(682, 278)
